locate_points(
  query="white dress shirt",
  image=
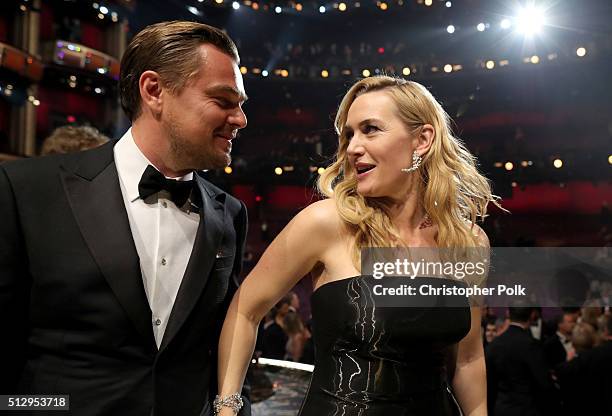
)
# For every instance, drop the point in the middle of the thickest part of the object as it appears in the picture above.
(567, 343)
(164, 234)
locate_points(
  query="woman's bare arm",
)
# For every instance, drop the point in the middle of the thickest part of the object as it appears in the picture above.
(292, 254)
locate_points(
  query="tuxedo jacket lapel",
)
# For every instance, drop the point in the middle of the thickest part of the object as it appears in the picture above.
(205, 250)
(93, 191)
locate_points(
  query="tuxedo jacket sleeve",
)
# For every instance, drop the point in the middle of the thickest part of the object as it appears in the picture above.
(14, 290)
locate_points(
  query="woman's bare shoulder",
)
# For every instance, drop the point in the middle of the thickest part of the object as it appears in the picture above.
(481, 236)
(321, 215)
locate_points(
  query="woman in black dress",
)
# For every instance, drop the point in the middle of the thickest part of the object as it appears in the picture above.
(400, 179)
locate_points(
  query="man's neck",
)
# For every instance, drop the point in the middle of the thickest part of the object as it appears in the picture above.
(154, 147)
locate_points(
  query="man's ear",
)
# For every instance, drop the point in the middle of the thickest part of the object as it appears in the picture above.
(151, 92)
(424, 138)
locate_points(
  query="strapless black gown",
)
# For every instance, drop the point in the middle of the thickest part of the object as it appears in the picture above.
(381, 361)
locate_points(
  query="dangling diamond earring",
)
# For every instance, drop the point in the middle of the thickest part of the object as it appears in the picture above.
(416, 162)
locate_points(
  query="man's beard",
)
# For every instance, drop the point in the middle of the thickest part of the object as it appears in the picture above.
(195, 155)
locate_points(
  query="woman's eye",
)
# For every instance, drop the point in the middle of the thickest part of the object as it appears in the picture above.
(370, 129)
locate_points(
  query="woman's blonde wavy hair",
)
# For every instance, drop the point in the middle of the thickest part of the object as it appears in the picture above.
(452, 191)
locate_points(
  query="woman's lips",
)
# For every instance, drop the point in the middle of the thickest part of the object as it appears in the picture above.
(362, 175)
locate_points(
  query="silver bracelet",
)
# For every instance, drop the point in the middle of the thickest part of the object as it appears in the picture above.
(233, 401)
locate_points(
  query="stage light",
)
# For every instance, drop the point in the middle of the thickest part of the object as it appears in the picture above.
(104, 10)
(480, 27)
(383, 6)
(264, 73)
(610, 159)
(324, 73)
(98, 90)
(558, 163)
(535, 59)
(36, 103)
(448, 68)
(278, 170)
(505, 24)
(508, 166)
(450, 29)
(498, 164)
(284, 73)
(193, 10)
(366, 73)
(255, 6)
(200, 1)
(320, 171)
(235, 5)
(228, 169)
(218, 1)
(581, 51)
(95, 5)
(114, 17)
(514, 184)
(406, 71)
(428, 3)
(322, 9)
(530, 20)
(490, 64)
(243, 70)
(278, 9)
(298, 7)
(342, 7)
(448, 4)
(100, 16)
(504, 62)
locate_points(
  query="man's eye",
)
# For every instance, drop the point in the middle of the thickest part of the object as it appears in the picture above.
(225, 103)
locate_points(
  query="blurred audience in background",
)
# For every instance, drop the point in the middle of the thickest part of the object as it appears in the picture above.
(69, 139)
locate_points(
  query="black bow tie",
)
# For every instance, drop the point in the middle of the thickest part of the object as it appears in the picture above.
(153, 181)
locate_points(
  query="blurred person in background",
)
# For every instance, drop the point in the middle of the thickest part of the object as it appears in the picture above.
(490, 330)
(519, 382)
(559, 346)
(297, 336)
(586, 380)
(274, 338)
(69, 139)
(583, 338)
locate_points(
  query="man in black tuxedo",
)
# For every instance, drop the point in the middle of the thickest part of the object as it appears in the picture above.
(558, 346)
(117, 264)
(518, 382)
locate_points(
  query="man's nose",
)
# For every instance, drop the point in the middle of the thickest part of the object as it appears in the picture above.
(238, 118)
